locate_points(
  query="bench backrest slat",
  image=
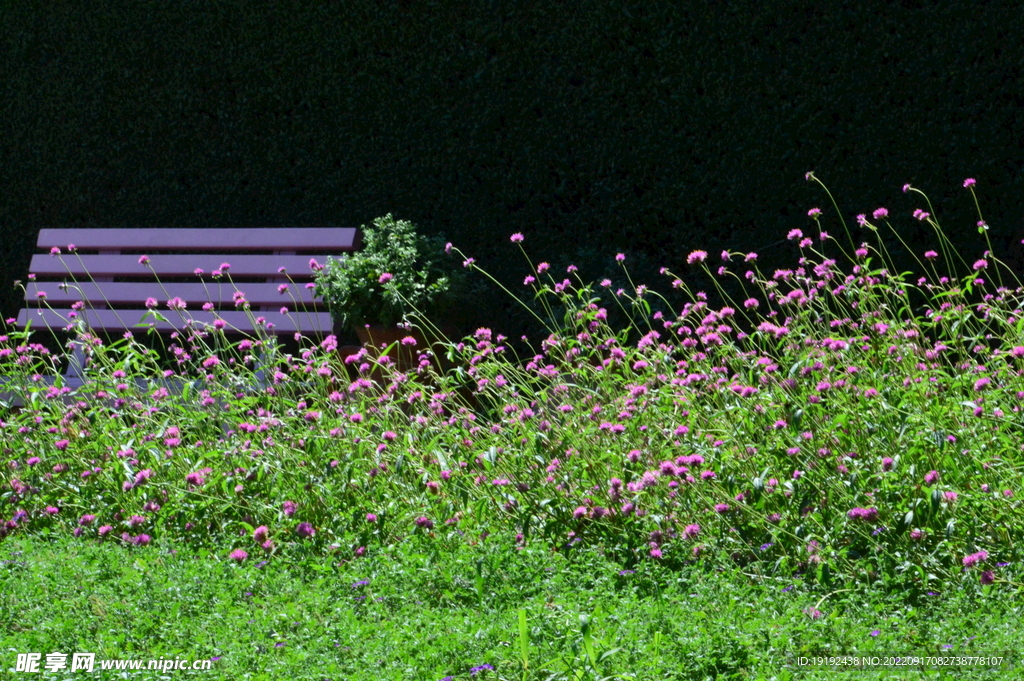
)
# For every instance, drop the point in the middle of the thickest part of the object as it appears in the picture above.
(129, 292)
(115, 320)
(260, 238)
(173, 265)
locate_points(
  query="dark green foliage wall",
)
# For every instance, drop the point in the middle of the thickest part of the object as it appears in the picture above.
(652, 127)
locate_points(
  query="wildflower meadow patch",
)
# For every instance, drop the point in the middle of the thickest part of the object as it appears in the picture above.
(837, 423)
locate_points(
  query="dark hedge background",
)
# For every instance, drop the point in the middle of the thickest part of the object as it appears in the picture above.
(591, 127)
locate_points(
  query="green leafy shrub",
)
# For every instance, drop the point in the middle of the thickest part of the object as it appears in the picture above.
(396, 272)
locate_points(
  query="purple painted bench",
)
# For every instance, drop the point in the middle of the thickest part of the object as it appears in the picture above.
(114, 286)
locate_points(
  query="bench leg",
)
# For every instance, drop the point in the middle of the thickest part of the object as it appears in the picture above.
(264, 361)
(76, 363)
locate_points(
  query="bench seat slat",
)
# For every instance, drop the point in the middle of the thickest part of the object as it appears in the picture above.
(236, 239)
(173, 265)
(237, 321)
(126, 293)
(78, 385)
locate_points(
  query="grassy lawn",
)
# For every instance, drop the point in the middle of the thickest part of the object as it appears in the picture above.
(416, 613)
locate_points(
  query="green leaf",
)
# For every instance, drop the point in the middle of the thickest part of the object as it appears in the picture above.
(442, 460)
(524, 639)
(156, 316)
(588, 643)
(490, 457)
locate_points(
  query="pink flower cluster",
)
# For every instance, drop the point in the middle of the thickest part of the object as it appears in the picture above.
(975, 558)
(863, 513)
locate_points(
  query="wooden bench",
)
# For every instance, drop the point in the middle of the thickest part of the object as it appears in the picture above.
(105, 273)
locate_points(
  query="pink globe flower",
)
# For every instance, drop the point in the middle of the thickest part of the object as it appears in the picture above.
(975, 558)
(696, 256)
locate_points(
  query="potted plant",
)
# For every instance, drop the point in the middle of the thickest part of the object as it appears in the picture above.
(396, 272)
